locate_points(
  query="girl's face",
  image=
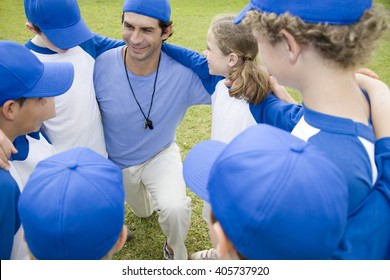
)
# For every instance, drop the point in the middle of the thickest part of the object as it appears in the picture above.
(217, 60)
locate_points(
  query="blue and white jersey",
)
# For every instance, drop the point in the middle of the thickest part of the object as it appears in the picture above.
(230, 116)
(32, 148)
(349, 144)
(9, 218)
(367, 235)
(78, 120)
(19, 248)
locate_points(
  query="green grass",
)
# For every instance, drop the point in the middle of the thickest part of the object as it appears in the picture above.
(191, 21)
(381, 59)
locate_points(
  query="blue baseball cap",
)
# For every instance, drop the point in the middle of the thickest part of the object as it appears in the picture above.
(60, 21)
(23, 75)
(158, 9)
(72, 206)
(333, 12)
(275, 196)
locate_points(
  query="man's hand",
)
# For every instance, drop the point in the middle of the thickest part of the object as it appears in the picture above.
(368, 72)
(6, 148)
(280, 92)
(379, 94)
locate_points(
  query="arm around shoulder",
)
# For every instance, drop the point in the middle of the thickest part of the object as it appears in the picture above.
(379, 94)
(196, 62)
(99, 44)
(6, 149)
(9, 220)
(276, 112)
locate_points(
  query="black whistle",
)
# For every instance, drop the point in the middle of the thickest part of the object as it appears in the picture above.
(148, 124)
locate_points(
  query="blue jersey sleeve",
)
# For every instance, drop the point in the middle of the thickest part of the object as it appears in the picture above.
(22, 145)
(276, 112)
(9, 218)
(382, 158)
(99, 44)
(196, 62)
(367, 235)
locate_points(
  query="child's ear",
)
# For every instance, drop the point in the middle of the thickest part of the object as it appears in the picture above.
(233, 59)
(31, 28)
(121, 240)
(9, 109)
(292, 46)
(224, 247)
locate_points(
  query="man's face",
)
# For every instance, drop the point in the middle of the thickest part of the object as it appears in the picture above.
(142, 35)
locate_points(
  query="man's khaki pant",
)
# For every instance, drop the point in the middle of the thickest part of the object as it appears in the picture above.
(158, 184)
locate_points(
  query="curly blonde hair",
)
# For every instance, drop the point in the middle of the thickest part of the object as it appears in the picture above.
(348, 45)
(251, 81)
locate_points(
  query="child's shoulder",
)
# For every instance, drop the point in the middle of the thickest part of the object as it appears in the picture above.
(167, 62)
(108, 57)
(8, 186)
(99, 44)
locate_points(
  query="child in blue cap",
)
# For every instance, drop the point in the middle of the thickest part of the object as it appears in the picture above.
(27, 88)
(315, 46)
(272, 195)
(72, 207)
(60, 34)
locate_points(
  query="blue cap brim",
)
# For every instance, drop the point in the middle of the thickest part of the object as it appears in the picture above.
(242, 14)
(57, 78)
(324, 11)
(198, 164)
(69, 37)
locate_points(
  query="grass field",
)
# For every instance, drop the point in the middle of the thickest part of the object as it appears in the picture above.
(191, 20)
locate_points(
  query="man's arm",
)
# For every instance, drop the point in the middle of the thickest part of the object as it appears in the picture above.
(6, 149)
(379, 94)
(196, 62)
(99, 44)
(276, 112)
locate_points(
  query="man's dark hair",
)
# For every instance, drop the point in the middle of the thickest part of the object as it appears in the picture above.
(161, 24)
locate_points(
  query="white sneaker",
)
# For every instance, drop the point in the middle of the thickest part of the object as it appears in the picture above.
(209, 254)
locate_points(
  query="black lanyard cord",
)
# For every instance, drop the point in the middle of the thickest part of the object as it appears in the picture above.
(148, 123)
